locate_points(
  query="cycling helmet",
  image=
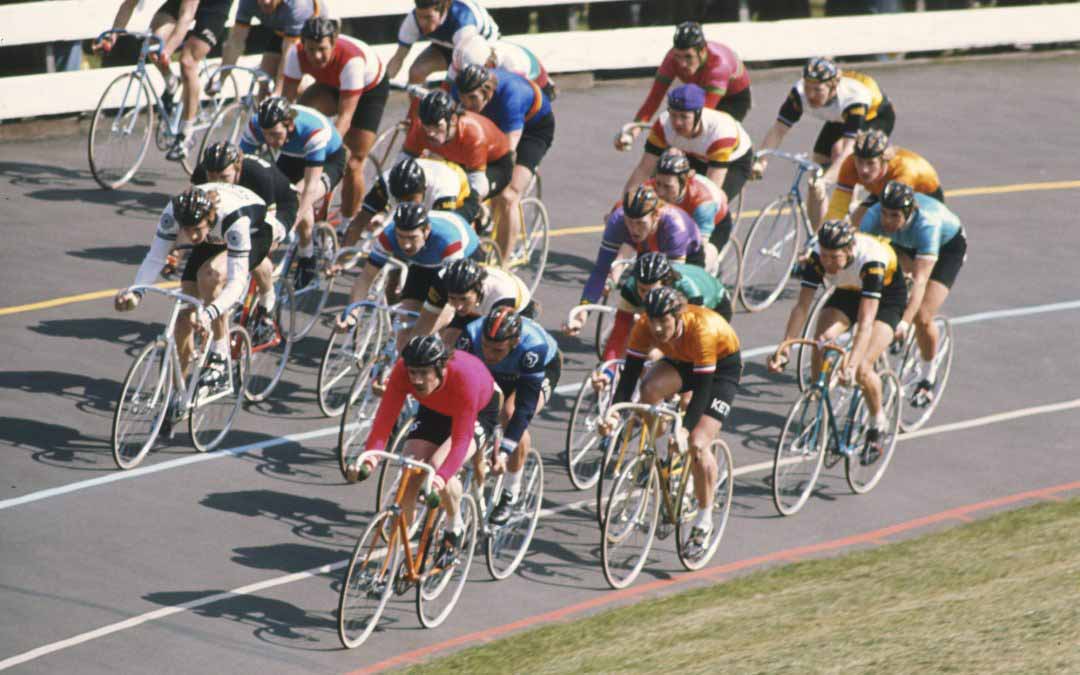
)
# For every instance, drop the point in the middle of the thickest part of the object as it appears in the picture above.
(641, 202)
(409, 216)
(318, 27)
(871, 143)
(688, 97)
(473, 49)
(663, 301)
(425, 351)
(425, 4)
(220, 156)
(463, 275)
(897, 195)
(835, 234)
(191, 206)
(651, 267)
(471, 78)
(407, 178)
(673, 162)
(437, 106)
(688, 35)
(274, 110)
(501, 323)
(820, 69)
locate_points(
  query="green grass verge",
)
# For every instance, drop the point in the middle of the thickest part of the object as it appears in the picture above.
(1001, 595)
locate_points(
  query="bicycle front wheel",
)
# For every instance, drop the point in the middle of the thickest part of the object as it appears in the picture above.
(227, 126)
(624, 444)
(691, 555)
(917, 412)
(531, 250)
(508, 543)
(730, 266)
(584, 446)
(863, 472)
(369, 581)
(311, 299)
(214, 408)
(388, 144)
(804, 354)
(270, 356)
(339, 360)
(439, 590)
(633, 512)
(120, 131)
(769, 252)
(800, 453)
(143, 405)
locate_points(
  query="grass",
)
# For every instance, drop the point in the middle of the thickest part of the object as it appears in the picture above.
(1001, 595)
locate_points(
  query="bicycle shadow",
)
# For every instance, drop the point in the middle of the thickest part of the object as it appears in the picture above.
(566, 268)
(91, 394)
(310, 518)
(123, 201)
(57, 445)
(132, 334)
(125, 255)
(290, 461)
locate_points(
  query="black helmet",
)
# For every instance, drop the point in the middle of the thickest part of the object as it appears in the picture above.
(501, 323)
(437, 106)
(274, 110)
(407, 178)
(471, 77)
(462, 275)
(871, 143)
(897, 195)
(424, 351)
(673, 162)
(820, 69)
(410, 216)
(318, 27)
(424, 4)
(192, 206)
(835, 234)
(651, 267)
(688, 35)
(641, 202)
(663, 301)
(219, 156)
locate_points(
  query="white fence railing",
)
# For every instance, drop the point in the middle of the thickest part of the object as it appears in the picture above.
(56, 93)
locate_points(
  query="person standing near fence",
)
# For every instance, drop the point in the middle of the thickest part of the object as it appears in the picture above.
(444, 23)
(284, 17)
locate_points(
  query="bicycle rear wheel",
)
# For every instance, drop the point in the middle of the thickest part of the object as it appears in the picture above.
(694, 557)
(584, 446)
(530, 254)
(269, 358)
(633, 512)
(769, 252)
(862, 478)
(730, 267)
(610, 298)
(388, 144)
(227, 126)
(439, 590)
(143, 405)
(622, 446)
(345, 355)
(214, 410)
(369, 581)
(120, 131)
(800, 453)
(914, 414)
(508, 543)
(209, 108)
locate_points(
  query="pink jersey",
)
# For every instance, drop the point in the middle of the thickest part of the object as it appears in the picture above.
(722, 74)
(354, 67)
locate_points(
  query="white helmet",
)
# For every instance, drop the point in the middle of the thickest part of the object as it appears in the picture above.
(473, 49)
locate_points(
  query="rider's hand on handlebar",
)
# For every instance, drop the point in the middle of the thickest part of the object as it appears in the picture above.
(125, 302)
(573, 326)
(778, 360)
(607, 425)
(105, 44)
(600, 380)
(758, 170)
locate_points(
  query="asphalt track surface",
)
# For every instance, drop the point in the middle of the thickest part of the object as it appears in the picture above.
(231, 562)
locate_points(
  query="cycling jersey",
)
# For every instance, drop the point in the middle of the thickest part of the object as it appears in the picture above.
(450, 238)
(905, 166)
(463, 393)
(676, 235)
(353, 68)
(930, 227)
(446, 188)
(499, 287)
(517, 104)
(461, 15)
(721, 141)
(522, 371)
(515, 58)
(265, 180)
(722, 74)
(287, 20)
(477, 143)
(871, 269)
(313, 138)
(704, 201)
(856, 101)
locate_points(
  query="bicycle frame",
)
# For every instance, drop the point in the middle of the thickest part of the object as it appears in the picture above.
(650, 417)
(794, 193)
(840, 441)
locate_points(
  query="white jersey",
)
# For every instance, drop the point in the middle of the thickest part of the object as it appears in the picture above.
(849, 92)
(508, 56)
(500, 288)
(872, 267)
(445, 184)
(722, 139)
(463, 18)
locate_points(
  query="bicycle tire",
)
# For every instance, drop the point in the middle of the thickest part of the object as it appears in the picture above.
(388, 144)
(583, 466)
(508, 544)
(209, 422)
(385, 486)
(143, 107)
(804, 354)
(311, 300)
(373, 566)
(227, 126)
(268, 363)
(209, 107)
(911, 373)
(860, 478)
(807, 420)
(433, 587)
(154, 354)
(614, 461)
(625, 516)
(603, 325)
(730, 267)
(767, 260)
(333, 386)
(722, 496)
(530, 255)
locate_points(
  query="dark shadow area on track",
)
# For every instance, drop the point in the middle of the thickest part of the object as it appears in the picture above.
(89, 394)
(57, 445)
(318, 520)
(565, 268)
(288, 463)
(133, 334)
(77, 185)
(125, 255)
(288, 558)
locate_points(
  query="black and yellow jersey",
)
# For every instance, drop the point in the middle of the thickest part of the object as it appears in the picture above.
(872, 267)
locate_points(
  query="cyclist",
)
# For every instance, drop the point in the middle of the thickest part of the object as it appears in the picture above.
(350, 83)
(932, 245)
(677, 183)
(475, 49)
(848, 102)
(872, 164)
(714, 141)
(311, 156)
(284, 17)
(170, 23)
(471, 290)
(455, 392)
(713, 66)
(521, 111)
(444, 23)
(224, 162)
(870, 295)
(701, 355)
(526, 364)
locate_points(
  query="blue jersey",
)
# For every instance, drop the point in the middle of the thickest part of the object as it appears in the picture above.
(931, 227)
(313, 139)
(450, 238)
(516, 104)
(462, 14)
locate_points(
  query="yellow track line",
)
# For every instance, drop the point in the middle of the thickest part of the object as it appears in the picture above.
(57, 302)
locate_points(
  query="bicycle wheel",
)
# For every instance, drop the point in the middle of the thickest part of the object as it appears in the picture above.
(488, 252)
(804, 354)
(369, 581)
(535, 188)
(730, 262)
(387, 483)
(386, 147)
(120, 131)
(440, 589)
(508, 543)
(142, 406)
(209, 108)
(633, 512)
(268, 359)
(311, 299)
(862, 477)
(624, 444)
(914, 414)
(345, 355)
(769, 251)
(800, 453)
(603, 323)
(214, 409)
(584, 446)
(530, 254)
(227, 126)
(696, 557)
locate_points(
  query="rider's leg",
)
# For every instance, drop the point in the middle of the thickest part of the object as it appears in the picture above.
(185, 345)
(868, 379)
(163, 25)
(926, 333)
(264, 280)
(430, 60)
(194, 51)
(704, 467)
(359, 142)
(507, 207)
(211, 279)
(831, 323)
(421, 449)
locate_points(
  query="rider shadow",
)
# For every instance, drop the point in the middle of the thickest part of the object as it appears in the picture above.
(290, 558)
(566, 268)
(57, 445)
(758, 429)
(290, 399)
(122, 201)
(307, 517)
(125, 255)
(92, 395)
(133, 334)
(287, 462)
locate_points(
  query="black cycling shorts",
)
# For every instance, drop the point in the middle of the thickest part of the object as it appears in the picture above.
(435, 427)
(951, 258)
(418, 281)
(535, 142)
(260, 248)
(891, 305)
(834, 131)
(736, 105)
(725, 381)
(210, 19)
(333, 168)
(552, 373)
(499, 174)
(369, 109)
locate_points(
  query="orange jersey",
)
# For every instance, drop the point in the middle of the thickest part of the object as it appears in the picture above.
(705, 338)
(906, 166)
(476, 143)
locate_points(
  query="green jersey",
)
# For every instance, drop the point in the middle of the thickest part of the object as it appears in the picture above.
(699, 287)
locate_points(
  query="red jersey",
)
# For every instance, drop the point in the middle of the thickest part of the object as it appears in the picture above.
(477, 142)
(353, 68)
(722, 74)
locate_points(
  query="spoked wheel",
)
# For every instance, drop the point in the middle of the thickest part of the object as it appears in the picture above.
(769, 252)
(804, 354)
(695, 556)
(347, 354)
(508, 543)
(369, 582)
(120, 131)
(311, 299)
(209, 109)
(440, 588)
(730, 266)
(584, 445)
(388, 144)
(800, 454)
(387, 483)
(535, 188)
(603, 322)
(215, 408)
(270, 352)
(625, 443)
(864, 472)
(916, 410)
(227, 126)
(531, 250)
(142, 407)
(489, 252)
(633, 512)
